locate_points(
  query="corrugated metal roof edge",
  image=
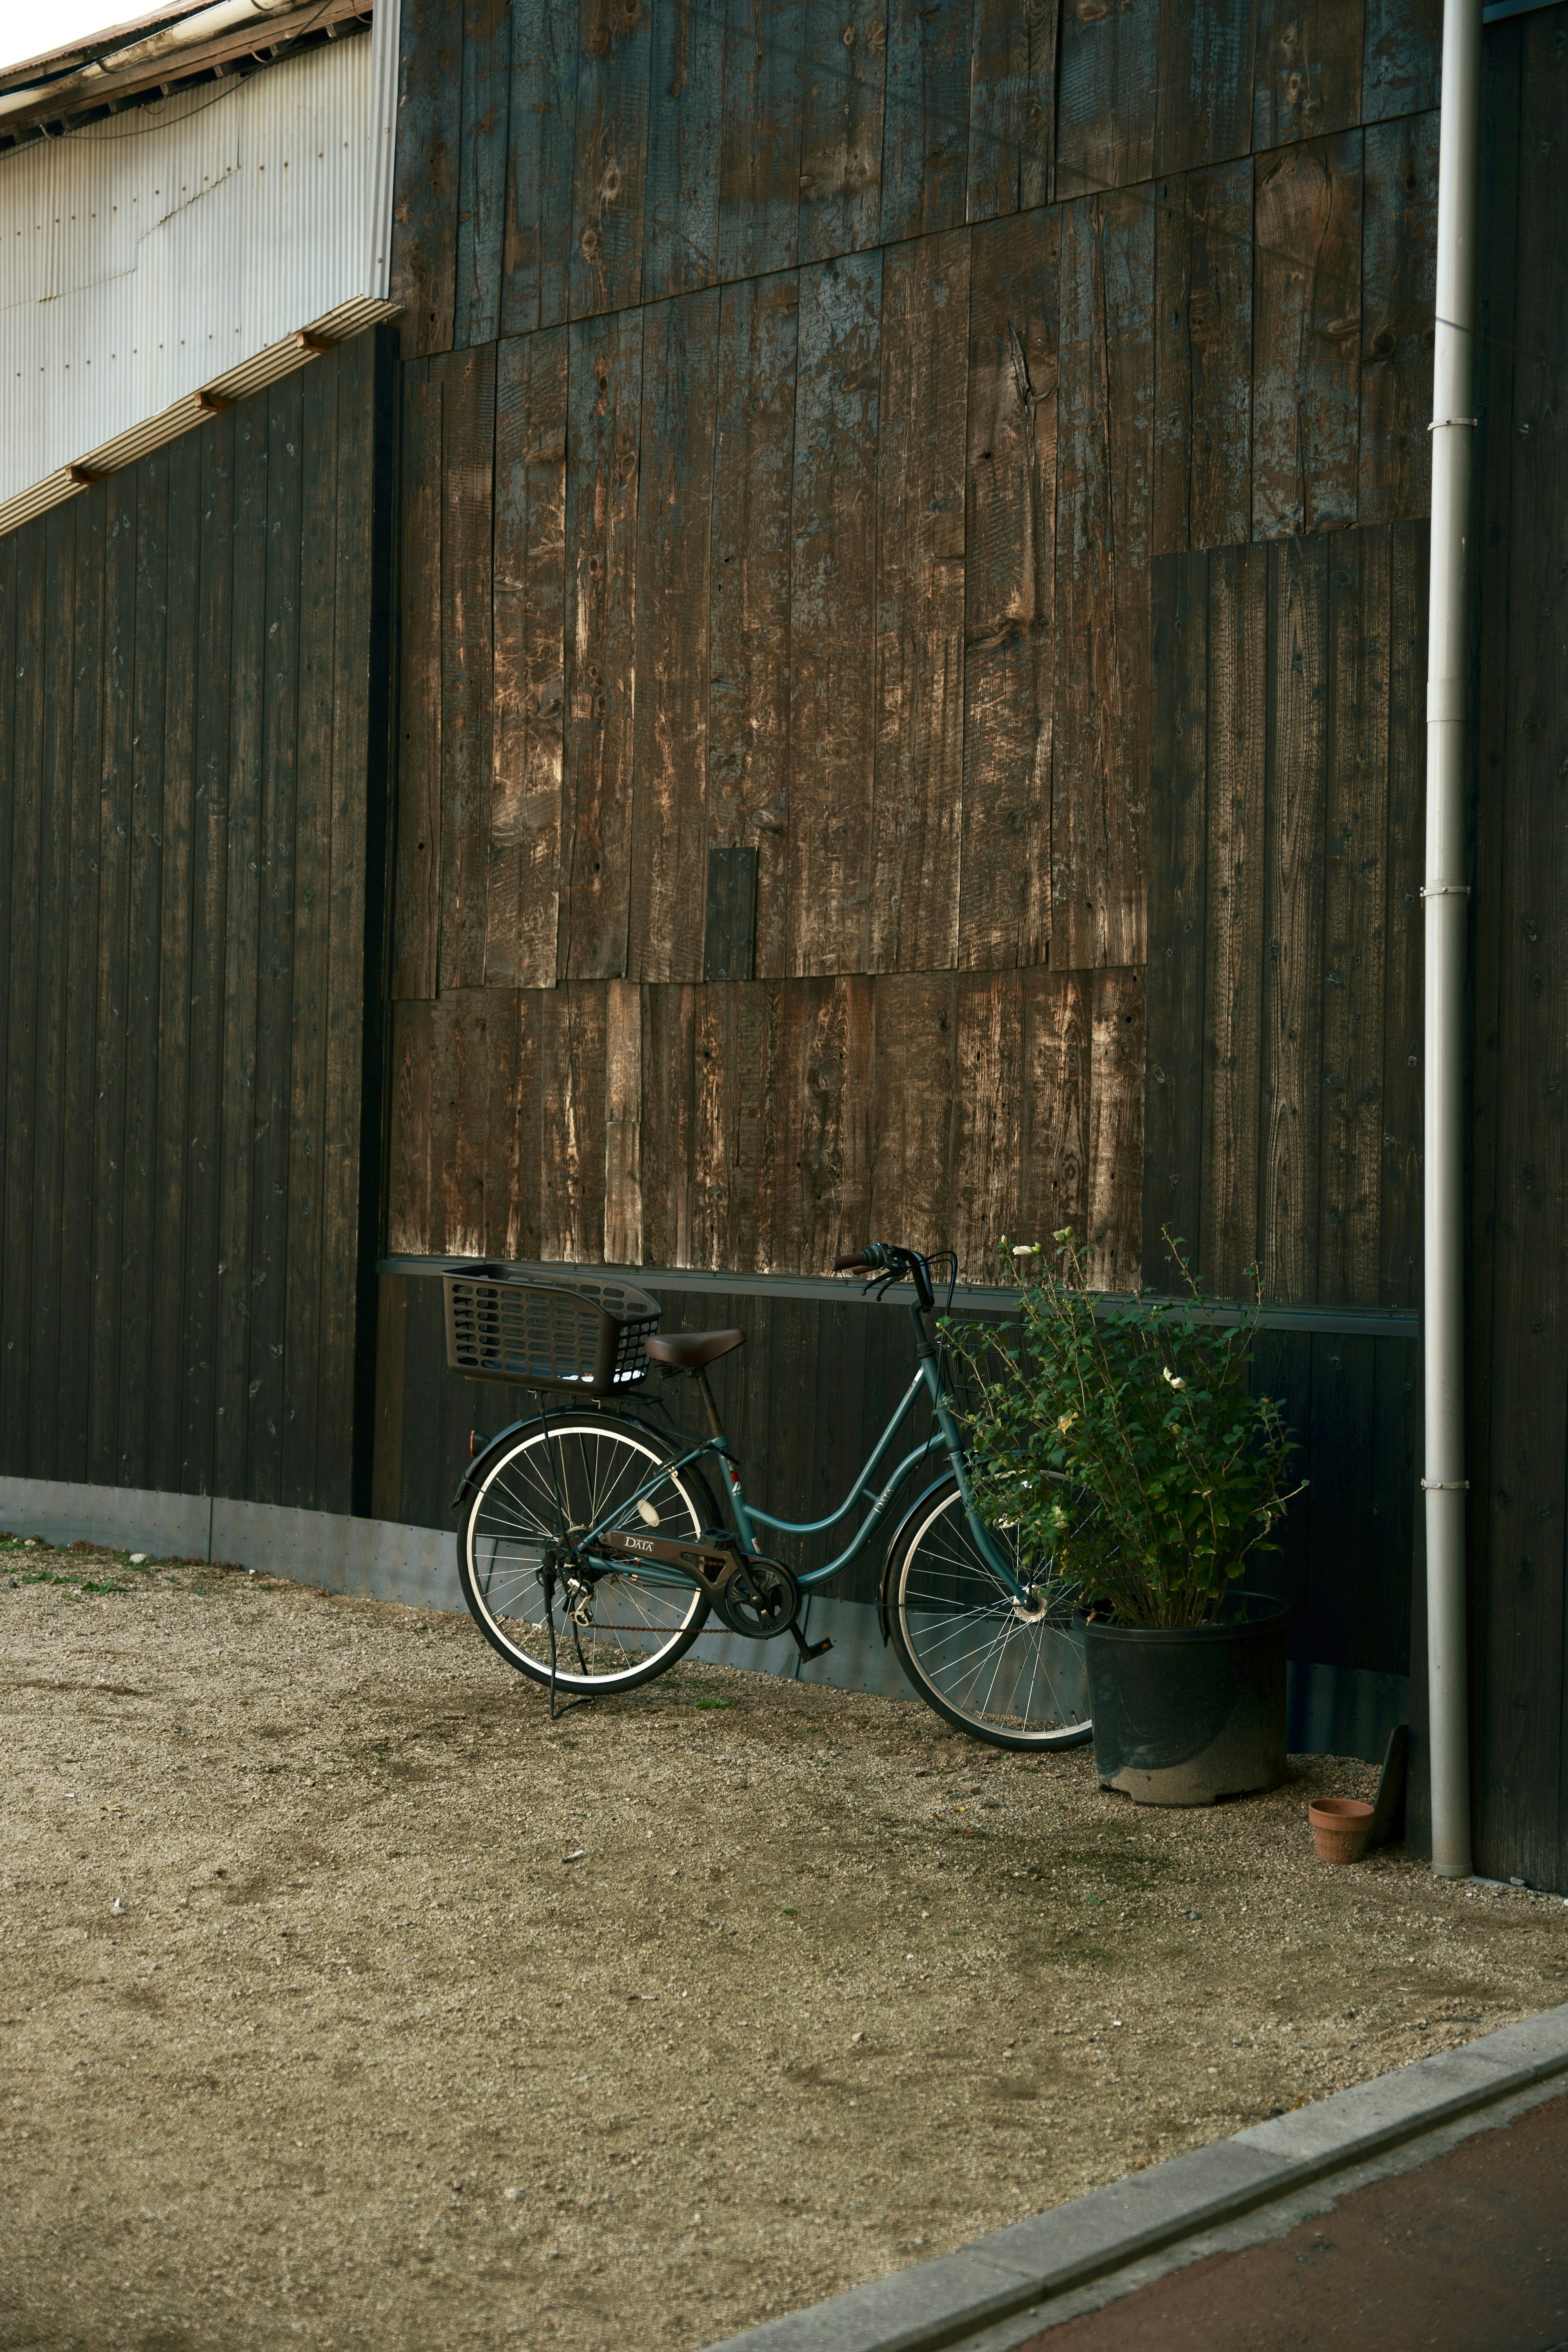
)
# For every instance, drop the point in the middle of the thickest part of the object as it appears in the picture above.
(154, 432)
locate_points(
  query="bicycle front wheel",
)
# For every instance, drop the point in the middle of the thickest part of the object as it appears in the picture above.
(1006, 1674)
(608, 1628)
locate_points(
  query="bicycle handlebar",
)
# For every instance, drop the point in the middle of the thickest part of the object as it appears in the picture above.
(888, 1258)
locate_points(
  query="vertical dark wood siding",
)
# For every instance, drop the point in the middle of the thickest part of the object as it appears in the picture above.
(186, 756)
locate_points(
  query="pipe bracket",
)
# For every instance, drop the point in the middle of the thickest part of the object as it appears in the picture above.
(1445, 1485)
(1441, 424)
(1445, 889)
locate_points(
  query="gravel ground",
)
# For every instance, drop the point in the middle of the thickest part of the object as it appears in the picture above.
(313, 2035)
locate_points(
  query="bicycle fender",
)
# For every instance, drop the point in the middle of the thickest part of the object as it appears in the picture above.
(884, 1591)
(476, 1468)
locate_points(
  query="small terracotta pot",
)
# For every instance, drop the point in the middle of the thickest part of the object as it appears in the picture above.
(1342, 1827)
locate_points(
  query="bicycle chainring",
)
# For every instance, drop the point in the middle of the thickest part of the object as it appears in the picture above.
(760, 1598)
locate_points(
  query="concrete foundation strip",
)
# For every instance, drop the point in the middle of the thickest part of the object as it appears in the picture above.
(950, 2301)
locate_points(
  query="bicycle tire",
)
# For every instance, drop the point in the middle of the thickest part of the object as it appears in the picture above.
(1011, 1680)
(548, 1478)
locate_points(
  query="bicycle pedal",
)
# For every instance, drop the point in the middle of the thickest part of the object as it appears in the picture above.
(809, 1649)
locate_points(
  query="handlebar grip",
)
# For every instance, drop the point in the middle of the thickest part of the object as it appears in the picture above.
(852, 1264)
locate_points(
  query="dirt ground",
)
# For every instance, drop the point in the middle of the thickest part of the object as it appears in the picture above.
(347, 2000)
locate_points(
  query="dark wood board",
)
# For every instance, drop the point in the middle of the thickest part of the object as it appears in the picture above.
(670, 660)
(1054, 1122)
(191, 1468)
(109, 1195)
(541, 145)
(1402, 60)
(1105, 404)
(915, 1107)
(843, 91)
(1203, 109)
(733, 1078)
(1399, 1211)
(610, 162)
(1107, 96)
(1012, 108)
(1116, 1128)
(467, 492)
(668, 1046)
(1354, 918)
(1178, 917)
(1009, 575)
(918, 792)
(427, 174)
(416, 878)
(467, 1027)
(1294, 846)
(1282, 1367)
(53, 934)
(987, 1160)
(410, 1225)
(571, 1131)
(832, 614)
(686, 109)
(1307, 66)
(483, 140)
(760, 129)
(1234, 946)
(80, 1066)
(1306, 300)
(387, 1493)
(26, 689)
(1203, 360)
(824, 1076)
(603, 419)
(623, 1124)
(1381, 1621)
(1399, 287)
(749, 588)
(925, 120)
(529, 606)
(730, 925)
(1344, 1559)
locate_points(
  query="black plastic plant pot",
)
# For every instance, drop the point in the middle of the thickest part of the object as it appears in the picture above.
(1184, 1718)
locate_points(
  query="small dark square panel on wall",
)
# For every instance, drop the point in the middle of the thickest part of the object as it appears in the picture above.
(729, 942)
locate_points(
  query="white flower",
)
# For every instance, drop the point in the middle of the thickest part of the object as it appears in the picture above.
(1167, 1374)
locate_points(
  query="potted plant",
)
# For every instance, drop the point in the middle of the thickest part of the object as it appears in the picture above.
(1121, 1445)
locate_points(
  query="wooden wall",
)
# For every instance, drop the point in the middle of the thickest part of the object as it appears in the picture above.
(187, 711)
(800, 404)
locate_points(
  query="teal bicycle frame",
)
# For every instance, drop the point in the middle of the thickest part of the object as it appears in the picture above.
(749, 1516)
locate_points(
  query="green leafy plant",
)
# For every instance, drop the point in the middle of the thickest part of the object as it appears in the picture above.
(1121, 1445)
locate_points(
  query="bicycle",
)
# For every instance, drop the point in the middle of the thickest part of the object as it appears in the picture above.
(591, 1552)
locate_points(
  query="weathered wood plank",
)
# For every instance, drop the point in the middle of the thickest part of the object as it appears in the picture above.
(1306, 64)
(28, 850)
(823, 1082)
(1004, 902)
(1399, 1212)
(667, 1050)
(427, 171)
(482, 172)
(145, 1457)
(239, 1095)
(988, 1175)
(604, 415)
(925, 120)
(467, 659)
(542, 143)
(670, 816)
(572, 1127)
(53, 935)
(913, 1107)
(1234, 952)
(1402, 57)
(1178, 915)
(611, 167)
(192, 1437)
(467, 1027)
(1399, 273)
(1055, 1110)
(843, 78)
(529, 595)
(734, 1084)
(1104, 455)
(831, 619)
(623, 1237)
(749, 592)
(917, 794)
(1203, 360)
(410, 1211)
(730, 928)
(416, 881)
(1107, 96)
(1116, 1128)
(685, 108)
(1354, 918)
(1306, 326)
(1204, 109)
(112, 1042)
(75, 1205)
(1012, 108)
(1294, 810)
(760, 126)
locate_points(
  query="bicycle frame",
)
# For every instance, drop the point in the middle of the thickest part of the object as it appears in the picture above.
(749, 1517)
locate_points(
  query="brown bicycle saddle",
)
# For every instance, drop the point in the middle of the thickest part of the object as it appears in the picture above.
(687, 1351)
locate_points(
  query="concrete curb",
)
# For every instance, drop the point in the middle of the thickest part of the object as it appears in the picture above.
(946, 2301)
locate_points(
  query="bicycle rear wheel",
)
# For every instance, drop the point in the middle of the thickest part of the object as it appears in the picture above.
(558, 1477)
(1011, 1675)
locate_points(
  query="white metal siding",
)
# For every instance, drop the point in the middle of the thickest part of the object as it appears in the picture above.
(160, 251)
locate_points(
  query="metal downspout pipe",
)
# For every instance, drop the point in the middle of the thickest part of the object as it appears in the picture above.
(1446, 896)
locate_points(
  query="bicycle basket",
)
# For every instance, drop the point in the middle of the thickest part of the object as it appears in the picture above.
(591, 1338)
